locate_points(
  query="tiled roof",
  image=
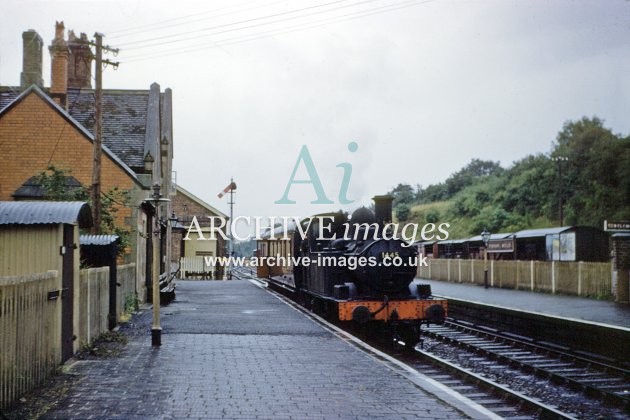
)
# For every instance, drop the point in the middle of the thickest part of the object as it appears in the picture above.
(124, 118)
(38, 91)
(8, 95)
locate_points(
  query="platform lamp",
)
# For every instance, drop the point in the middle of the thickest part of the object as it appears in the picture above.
(485, 237)
(156, 329)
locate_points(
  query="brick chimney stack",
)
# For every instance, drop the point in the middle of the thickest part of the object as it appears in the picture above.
(32, 45)
(59, 53)
(80, 62)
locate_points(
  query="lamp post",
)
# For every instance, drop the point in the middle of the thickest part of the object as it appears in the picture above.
(485, 237)
(156, 329)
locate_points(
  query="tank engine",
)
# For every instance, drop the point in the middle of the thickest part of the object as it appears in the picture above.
(363, 276)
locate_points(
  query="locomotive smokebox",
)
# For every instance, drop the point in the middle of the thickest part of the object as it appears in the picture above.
(383, 208)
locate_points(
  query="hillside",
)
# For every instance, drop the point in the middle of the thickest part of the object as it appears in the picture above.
(586, 174)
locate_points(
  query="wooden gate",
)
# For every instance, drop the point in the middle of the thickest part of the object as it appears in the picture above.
(67, 294)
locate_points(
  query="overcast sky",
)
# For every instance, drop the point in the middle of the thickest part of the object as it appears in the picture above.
(421, 86)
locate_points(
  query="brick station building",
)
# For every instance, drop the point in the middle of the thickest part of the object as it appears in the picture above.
(42, 126)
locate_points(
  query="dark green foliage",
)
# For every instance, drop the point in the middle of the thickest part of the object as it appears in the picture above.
(470, 174)
(403, 194)
(588, 168)
(595, 175)
(402, 212)
(54, 182)
(432, 216)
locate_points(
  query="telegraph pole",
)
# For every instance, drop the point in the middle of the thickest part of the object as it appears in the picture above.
(230, 188)
(559, 160)
(98, 126)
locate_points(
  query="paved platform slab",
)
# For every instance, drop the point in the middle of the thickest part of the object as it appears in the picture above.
(232, 350)
(592, 310)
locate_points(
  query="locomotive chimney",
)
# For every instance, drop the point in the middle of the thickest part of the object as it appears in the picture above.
(383, 208)
(32, 45)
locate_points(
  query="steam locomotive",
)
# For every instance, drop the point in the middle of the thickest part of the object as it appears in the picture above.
(348, 269)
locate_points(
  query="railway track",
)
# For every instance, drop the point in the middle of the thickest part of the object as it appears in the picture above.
(586, 384)
(497, 398)
(491, 395)
(243, 273)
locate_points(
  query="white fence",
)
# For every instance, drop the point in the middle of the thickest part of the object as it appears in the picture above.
(195, 267)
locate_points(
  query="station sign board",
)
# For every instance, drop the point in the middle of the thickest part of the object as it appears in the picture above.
(501, 245)
(617, 226)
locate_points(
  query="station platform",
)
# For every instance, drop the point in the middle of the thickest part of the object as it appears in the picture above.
(231, 349)
(577, 308)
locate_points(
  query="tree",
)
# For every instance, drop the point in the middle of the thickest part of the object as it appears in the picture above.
(470, 174)
(593, 180)
(58, 185)
(403, 194)
(402, 212)
(528, 187)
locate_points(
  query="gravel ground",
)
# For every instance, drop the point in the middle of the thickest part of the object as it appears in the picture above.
(560, 397)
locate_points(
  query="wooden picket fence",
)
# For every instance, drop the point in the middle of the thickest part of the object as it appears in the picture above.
(30, 332)
(93, 303)
(590, 279)
(30, 323)
(126, 289)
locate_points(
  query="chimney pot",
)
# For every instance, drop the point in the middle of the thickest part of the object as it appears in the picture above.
(59, 66)
(32, 45)
(79, 62)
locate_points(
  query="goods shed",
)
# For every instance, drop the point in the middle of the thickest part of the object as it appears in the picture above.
(567, 243)
(451, 248)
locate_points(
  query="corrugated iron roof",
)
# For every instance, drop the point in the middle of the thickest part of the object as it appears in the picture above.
(452, 241)
(423, 243)
(537, 233)
(493, 236)
(98, 239)
(45, 212)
